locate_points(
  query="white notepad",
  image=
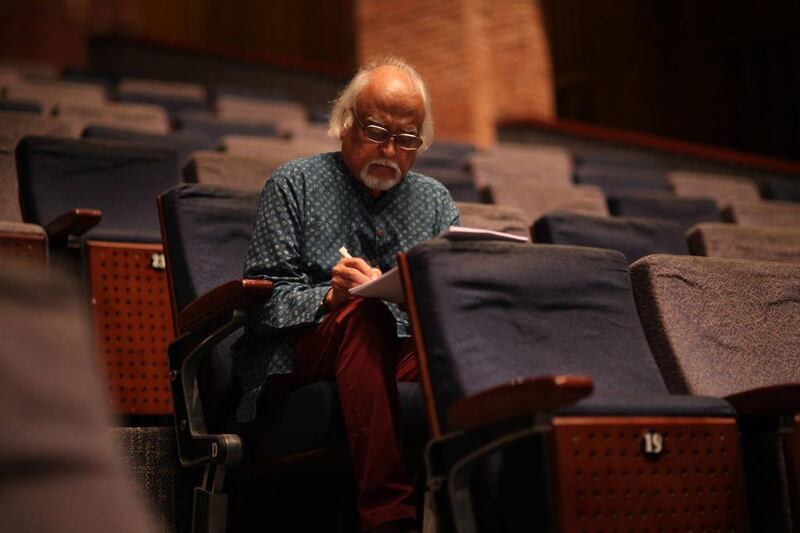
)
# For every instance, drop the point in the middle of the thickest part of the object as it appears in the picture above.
(389, 287)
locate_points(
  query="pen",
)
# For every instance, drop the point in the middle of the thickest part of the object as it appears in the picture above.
(344, 254)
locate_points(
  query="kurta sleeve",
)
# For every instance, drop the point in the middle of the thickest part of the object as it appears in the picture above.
(275, 255)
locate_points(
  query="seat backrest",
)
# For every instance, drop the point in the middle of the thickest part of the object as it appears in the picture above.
(494, 217)
(121, 179)
(634, 237)
(491, 312)
(21, 106)
(138, 117)
(684, 211)
(173, 96)
(620, 178)
(206, 232)
(14, 126)
(545, 165)
(183, 144)
(51, 94)
(719, 187)
(535, 200)
(737, 242)
(720, 326)
(54, 415)
(223, 170)
(273, 147)
(767, 213)
(214, 128)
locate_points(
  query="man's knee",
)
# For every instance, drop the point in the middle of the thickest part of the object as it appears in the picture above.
(365, 310)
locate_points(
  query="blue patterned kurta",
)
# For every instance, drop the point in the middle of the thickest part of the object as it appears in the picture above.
(309, 209)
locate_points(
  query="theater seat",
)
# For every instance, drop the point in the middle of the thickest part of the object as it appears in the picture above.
(768, 213)
(536, 200)
(494, 217)
(298, 441)
(546, 406)
(220, 169)
(634, 237)
(721, 188)
(686, 212)
(213, 128)
(68, 186)
(19, 240)
(729, 328)
(549, 166)
(737, 242)
(60, 470)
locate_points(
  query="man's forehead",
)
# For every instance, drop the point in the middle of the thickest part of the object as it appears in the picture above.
(391, 97)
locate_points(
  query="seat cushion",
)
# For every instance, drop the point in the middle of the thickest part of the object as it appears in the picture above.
(311, 418)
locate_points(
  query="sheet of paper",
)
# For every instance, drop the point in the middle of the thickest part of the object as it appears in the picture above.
(387, 287)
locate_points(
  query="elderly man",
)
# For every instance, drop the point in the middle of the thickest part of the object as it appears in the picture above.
(365, 199)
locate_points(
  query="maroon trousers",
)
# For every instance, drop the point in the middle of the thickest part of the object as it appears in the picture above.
(357, 346)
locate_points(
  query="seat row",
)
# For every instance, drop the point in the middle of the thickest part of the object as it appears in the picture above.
(558, 385)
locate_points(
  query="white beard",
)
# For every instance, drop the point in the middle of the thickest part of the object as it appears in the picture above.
(380, 184)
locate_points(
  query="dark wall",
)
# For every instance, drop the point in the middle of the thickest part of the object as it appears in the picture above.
(723, 72)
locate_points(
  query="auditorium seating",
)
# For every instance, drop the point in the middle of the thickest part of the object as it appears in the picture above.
(182, 143)
(545, 403)
(770, 213)
(139, 117)
(723, 189)
(96, 201)
(634, 237)
(537, 200)
(60, 469)
(494, 217)
(737, 242)
(686, 212)
(51, 94)
(298, 436)
(620, 178)
(208, 125)
(508, 162)
(728, 328)
(175, 97)
(17, 239)
(286, 116)
(21, 106)
(274, 147)
(216, 168)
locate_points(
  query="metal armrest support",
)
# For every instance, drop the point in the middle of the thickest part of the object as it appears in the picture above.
(216, 305)
(773, 400)
(73, 223)
(204, 323)
(524, 396)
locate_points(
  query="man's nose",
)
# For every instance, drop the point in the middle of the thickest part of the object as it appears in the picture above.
(388, 149)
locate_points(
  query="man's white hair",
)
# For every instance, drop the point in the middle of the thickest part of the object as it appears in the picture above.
(342, 113)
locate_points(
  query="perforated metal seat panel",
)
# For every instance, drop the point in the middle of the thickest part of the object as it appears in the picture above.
(647, 474)
(133, 324)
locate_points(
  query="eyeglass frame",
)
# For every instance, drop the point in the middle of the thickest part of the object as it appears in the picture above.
(391, 135)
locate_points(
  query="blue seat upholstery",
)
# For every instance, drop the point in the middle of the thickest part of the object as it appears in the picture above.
(120, 179)
(634, 237)
(490, 314)
(212, 129)
(685, 211)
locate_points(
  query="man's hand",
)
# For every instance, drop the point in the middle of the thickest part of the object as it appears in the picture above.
(348, 273)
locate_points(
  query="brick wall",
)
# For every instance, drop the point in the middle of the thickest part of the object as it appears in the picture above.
(483, 60)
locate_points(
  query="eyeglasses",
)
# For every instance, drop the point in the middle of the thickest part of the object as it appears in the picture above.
(380, 135)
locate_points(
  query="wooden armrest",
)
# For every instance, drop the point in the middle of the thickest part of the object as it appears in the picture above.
(75, 222)
(773, 400)
(525, 396)
(220, 301)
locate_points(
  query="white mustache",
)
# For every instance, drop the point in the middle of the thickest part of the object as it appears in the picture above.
(386, 163)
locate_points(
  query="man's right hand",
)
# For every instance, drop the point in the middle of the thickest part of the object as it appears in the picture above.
(348, 273)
